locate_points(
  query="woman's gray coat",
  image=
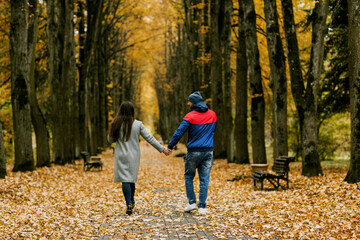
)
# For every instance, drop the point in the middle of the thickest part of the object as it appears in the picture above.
(127, 154)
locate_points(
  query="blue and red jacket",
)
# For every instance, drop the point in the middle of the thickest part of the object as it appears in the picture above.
(201, 126)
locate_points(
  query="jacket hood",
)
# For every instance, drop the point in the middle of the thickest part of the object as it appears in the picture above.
(200, 107)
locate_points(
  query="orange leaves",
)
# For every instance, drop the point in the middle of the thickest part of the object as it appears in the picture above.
(4, 41)
(198, 6)
(70, 203)
(256, 95)
(204, 58)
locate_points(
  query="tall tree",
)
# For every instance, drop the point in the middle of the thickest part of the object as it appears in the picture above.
(206, 86)
(228, 119)
(277, 79)
(2, 152)
(192, 25)
(37, 118)
(334, 95)
(20, 87)
(306, 98)
(216, 25)
(71, 79)
(103, 79)
(353, 174)
(61, 77)
(81, 134)
(94, 12)
(256, 89)
(241, 134)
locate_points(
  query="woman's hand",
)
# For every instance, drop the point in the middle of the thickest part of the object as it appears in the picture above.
(167, 151)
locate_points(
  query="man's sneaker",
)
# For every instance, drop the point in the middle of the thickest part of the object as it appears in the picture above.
(202, 211)
(190, 207)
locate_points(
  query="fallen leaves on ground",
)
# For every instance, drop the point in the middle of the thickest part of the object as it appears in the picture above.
(66, 202)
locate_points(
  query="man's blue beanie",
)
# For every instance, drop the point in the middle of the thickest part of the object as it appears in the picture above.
(195, 98)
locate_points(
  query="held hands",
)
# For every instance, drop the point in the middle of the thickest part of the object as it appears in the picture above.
(167, 151)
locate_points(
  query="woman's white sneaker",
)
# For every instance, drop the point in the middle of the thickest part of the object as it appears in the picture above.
(190, 207)
(202, 211)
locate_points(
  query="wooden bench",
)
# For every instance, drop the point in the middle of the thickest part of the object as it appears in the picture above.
(91, 162)
(281, 170)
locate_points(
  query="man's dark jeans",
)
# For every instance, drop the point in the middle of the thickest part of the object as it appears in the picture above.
(203, 162)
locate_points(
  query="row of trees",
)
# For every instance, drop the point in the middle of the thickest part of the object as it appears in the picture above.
(210, 45)
(88, 74)
(198, 56)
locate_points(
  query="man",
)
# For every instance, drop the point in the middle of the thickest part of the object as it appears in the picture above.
(201, 124)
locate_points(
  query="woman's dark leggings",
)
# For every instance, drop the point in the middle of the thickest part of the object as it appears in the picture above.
(128, 191)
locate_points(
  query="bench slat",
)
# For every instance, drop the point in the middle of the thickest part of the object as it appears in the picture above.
(290, 159)
(281, 163)
(258, 176)
(280, 169)
(281, 160)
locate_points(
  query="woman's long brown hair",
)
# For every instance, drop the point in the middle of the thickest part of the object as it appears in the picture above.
(123, 121)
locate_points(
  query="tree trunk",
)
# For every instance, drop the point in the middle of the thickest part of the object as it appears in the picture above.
(216, 77)
(353, 174)
(61, 77)
(93, 102)
(53, 70)
(228, 119)
(2, 153)
(41, 131)
(277, 78)
(81, 88)
(180, 88)
(311, 163)
(37, 118)
(241, 138)
(103, 63)
(292, 47)
(305, 99)
(187, 80)
(206, 85)
(192, 32)
(183, 83)
(20, 87)
(70, 79)
(256, 90)
(189, 49)
(115, 91)
(74, 112)
(161, 81)
(94, 11)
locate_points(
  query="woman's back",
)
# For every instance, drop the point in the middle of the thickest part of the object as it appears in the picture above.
(125, 130)
(127, 153)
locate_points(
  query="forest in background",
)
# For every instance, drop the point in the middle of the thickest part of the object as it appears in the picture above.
(91, 55)
(275, 72)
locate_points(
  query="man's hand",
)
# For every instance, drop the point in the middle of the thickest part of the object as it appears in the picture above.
(167, 151)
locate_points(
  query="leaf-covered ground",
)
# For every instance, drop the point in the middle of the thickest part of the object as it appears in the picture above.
(64, 202)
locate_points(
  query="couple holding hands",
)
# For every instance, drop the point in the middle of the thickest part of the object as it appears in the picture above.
(200, 123)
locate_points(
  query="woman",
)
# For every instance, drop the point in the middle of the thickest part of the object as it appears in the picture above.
(125, 131)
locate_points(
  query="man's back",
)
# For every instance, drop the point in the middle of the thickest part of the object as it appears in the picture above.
(201, 130)
(201, 126)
